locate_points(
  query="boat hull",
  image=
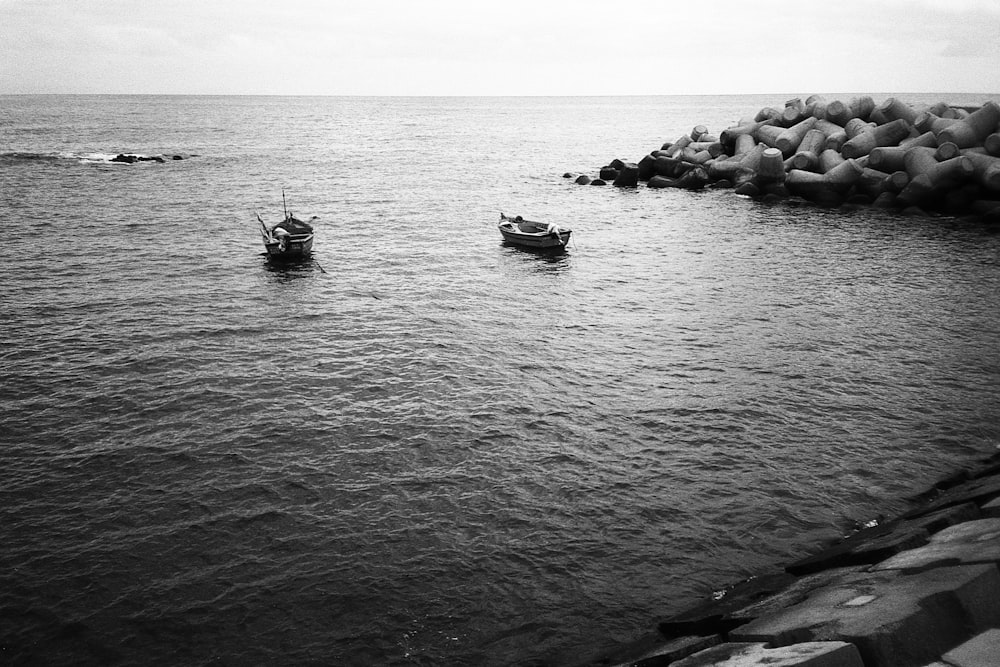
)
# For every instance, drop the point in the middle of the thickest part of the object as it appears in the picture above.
(535, 240)
(295, 248)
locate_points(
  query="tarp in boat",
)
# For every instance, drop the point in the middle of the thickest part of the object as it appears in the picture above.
(294, 226)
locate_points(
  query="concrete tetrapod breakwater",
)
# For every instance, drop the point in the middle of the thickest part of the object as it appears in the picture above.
(920, 590)
(931, 159)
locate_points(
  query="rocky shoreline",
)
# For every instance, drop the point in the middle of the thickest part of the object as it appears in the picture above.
(919, 590)
(934, 159)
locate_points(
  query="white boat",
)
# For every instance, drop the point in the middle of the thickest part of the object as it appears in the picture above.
(533, 234)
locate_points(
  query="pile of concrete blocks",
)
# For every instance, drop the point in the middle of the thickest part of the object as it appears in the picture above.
(933, 159)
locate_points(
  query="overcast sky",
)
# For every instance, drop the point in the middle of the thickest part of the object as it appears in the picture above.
(499, 47)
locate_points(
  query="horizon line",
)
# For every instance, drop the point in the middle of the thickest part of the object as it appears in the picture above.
(505, 95)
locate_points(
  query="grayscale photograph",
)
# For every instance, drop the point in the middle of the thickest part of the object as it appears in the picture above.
(500, 334)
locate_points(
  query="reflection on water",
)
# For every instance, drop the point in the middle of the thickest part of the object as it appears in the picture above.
(286, 270)
(538, 259)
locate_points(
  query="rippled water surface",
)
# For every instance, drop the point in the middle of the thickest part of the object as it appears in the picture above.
(425, 447)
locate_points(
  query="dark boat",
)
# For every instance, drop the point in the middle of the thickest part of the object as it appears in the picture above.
(291, 238)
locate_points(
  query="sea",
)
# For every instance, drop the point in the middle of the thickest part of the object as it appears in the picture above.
(424, 447)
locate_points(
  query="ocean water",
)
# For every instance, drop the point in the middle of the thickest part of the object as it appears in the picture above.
(424, 447)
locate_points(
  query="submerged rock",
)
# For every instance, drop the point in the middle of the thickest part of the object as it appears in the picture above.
(129, 158)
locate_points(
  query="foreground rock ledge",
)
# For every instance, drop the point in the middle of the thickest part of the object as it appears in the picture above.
(920, 590)
(927, 159)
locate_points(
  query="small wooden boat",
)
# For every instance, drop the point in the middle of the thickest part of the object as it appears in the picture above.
(533, 234)
(289, 239)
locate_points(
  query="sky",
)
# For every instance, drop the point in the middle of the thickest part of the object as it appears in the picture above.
(499, 47)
